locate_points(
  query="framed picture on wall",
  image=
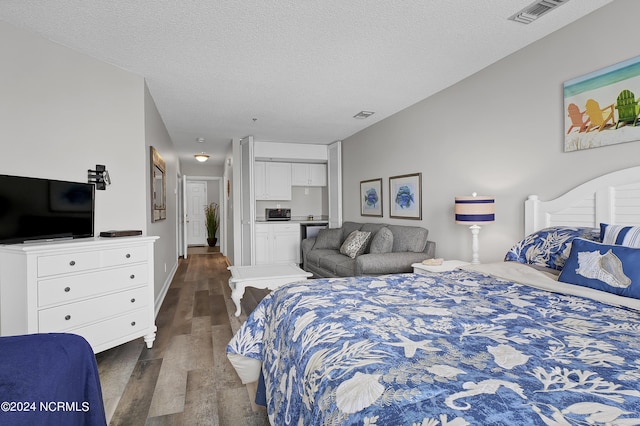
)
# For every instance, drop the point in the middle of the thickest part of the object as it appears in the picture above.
(371, 197)
(405, 196)
(601, 108)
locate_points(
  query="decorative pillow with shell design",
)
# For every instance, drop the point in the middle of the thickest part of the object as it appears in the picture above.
(355, 243)
(611, 268)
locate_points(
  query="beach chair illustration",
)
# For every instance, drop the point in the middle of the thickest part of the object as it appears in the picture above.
(578, 119)
(600, 117)
(628, 108)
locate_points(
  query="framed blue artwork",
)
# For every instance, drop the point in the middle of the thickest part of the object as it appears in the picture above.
(405, 196)
(371, 197)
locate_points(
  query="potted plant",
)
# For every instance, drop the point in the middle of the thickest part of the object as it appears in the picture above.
(211, 222)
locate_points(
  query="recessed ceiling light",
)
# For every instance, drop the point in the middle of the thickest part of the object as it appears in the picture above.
(200, 140)
(363, 114)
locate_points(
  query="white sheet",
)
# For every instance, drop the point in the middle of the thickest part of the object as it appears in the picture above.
(524, 274)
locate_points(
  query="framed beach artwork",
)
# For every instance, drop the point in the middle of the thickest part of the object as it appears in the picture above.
(405, 196)
(601, 108)
(371, 197)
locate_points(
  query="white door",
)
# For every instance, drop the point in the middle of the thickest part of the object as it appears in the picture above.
(247, 202)
(196, 202)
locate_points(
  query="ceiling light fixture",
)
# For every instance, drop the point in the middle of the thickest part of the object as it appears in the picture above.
(363, 114)
(202, 157)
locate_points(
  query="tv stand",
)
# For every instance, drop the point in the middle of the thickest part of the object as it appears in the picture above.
(101, 289)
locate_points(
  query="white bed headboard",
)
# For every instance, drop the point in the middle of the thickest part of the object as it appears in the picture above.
(613, 198)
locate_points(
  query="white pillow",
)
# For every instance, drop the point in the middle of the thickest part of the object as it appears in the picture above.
(355, 243)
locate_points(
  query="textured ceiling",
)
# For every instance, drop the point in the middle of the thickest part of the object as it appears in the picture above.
(287, 71)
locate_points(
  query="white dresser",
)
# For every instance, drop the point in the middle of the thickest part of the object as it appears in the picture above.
(101, 289)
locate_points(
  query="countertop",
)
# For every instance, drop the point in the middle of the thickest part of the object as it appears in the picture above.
(301, 222)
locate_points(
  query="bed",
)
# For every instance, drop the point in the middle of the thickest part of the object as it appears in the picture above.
(49, 379)
(542, 338)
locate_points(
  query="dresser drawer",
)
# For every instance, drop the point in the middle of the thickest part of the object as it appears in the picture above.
(132, 323)
(73, 287)
(72, 315)
(124, 256)
(289, 227)
(68, 262)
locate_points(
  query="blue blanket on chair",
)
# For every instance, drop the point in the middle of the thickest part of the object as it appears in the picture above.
(49, 379)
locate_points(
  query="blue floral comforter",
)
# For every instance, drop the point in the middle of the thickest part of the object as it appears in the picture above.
(457, 348)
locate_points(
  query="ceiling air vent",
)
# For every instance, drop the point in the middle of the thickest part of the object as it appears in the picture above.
(536, 10)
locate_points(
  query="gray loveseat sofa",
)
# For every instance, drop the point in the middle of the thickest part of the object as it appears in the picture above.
(391, 251)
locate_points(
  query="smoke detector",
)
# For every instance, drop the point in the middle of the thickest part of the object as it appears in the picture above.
(536, 10)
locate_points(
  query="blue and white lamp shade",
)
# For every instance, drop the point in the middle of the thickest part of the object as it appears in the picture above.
(475, 210)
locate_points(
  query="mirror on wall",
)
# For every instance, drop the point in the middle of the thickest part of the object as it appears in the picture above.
(158, 187)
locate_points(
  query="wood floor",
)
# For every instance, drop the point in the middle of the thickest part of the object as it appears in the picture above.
(185, 379)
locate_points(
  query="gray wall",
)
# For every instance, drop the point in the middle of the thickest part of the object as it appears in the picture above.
(499, 132)
(61, 113)
(166, 248)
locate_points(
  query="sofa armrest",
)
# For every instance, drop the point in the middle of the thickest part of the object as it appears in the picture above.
(306, 245)
(430, 250)
(388, 263)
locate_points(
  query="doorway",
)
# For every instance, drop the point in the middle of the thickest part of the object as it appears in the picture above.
(193, 200)
(196, 202)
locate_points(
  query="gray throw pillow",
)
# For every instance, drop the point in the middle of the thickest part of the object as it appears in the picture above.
(328, 239)
(382, 242)
(355, 243)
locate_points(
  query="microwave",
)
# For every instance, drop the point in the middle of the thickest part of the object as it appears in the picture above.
(277, 214)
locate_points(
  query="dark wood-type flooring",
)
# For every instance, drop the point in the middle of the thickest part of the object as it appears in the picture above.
(186, 378)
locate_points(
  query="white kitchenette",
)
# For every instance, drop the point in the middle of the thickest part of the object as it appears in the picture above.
(292, 199)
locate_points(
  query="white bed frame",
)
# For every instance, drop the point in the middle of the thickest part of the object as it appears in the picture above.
(613, 198)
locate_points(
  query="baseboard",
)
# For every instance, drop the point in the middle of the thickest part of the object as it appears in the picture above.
(165, 288)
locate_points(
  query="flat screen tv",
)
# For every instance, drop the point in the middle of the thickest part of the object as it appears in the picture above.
(44, 209)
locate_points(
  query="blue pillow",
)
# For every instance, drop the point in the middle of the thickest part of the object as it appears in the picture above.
(611, 268)
(621, 235)
(549, 247)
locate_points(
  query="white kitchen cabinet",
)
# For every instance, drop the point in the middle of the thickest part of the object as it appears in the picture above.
(272, 180)
(308, 174)
(277, 243)
(101, 289)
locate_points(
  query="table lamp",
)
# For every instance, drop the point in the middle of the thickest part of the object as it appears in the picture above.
(475, 210)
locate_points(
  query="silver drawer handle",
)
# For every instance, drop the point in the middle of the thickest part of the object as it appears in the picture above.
(73, 262)
(132, 276)
(67, 289)
(68, 317)
(127, 256)
(133, 323)
(133, 300)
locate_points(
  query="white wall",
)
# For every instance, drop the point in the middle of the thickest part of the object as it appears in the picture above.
(499, 132)
(61, 113)
(192, 168)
